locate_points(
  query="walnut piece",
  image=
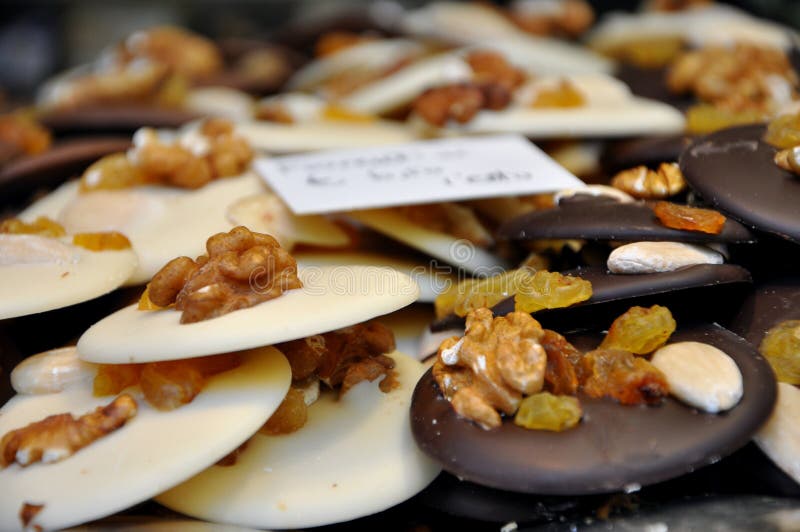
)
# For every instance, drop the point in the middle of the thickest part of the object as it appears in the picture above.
(492, 366)
(492, 68)
(213, 151)
(24, 134)
(570, 18)
(789, 159)
(343, 358)
(60, 436)
(183, 52)
(242, 269)
(643, 183)
(742, 78)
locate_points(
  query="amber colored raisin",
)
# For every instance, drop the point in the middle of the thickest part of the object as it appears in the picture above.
(168, 385)
(24, 133)
(551, 290)
(145, 303)
(702, 119)
(479, 293)
(562, 97)
(562, 358)
(621, 375)
(113, 378)
(336, 113)
(687, 218)
(290, 416)
(647, 52)
(640, 330)
(784, 131)
(545, 411)
(108, 241)
(112, 172)
(781, 347)
(42, 226)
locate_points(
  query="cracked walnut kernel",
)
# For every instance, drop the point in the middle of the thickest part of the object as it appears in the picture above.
(643, 183)
(60, 436)
(492, 366)
(241, 269)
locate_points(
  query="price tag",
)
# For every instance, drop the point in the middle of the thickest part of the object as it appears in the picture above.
(418, 172)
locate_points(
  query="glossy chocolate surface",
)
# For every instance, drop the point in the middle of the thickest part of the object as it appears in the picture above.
(734, 170)
(614, 447)
(601, 219)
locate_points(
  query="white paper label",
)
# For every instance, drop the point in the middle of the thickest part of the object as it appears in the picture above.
(418, 172)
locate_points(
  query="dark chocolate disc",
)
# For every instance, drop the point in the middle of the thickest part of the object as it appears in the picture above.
(609, 287)
(770, 303)
(734, 170)
(605, 220)
(614, 447)
(649, 151)
(120, 118)
(651, 83)
(63, 160)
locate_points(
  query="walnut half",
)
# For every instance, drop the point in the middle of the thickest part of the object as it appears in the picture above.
(60, 436)
(492, 366)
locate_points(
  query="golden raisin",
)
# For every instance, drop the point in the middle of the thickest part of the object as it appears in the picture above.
(560, 376)
(781, 347)
(784, 131)
(290, 416)
(337, 113)
(112, 172)
(42, 226)
(24, 133)
(621, 375)
(546, 290)
(108, 241)
(145, 303)
(688, 218)
(702, 118)
(545, 411)
(474, 294)
(646, 52)
(640, 330)
(168, 385)
(561, 97)
(113, 378)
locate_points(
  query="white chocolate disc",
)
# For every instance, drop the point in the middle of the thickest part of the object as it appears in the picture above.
(161, 222)
(779, 438)
(354, 457)
(267, 213)
(153, 452)
(220, 101)
(37, 287)
(432, 279)
(154, 524)
(272, 137)
(331, 298)
(447, 248)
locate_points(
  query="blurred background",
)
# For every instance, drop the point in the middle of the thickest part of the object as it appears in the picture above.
(41, 37)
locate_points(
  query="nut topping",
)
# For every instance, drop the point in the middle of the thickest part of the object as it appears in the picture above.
(60, 436)
(498, 361)
(643, 183)
(241, 269)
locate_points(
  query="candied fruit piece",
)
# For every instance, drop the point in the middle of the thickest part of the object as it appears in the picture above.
(488, 292)
(145, 303)
(545, 411)
(646, 52)
(336, 113)
(113, 171)
(687, 218)
(781, 347)
(621, 375)
(640, 330)
(108, 241)
(562, 358)
(168, 385)
(42, 226)
(702, 119)
(563, 96)
(551, 290)
(784, 131)
(113, 378)
(290, 416)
